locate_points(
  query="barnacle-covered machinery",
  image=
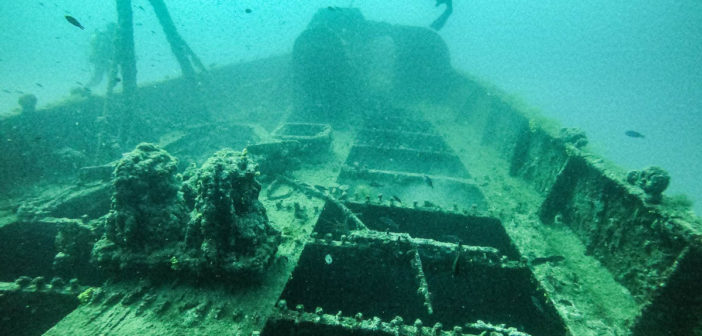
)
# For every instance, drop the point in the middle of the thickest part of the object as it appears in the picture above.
(375, 191)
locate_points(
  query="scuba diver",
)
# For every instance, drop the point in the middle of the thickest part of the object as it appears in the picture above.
(441, 20)
(102, 52)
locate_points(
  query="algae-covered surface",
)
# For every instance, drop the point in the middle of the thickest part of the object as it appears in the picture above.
(586, 294)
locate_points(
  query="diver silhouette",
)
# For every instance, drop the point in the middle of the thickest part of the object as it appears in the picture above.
(441, 20)
(102, 52)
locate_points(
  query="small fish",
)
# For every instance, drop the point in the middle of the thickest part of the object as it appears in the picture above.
(428, 181)
(328, 259)
(39, 85)
(248, 11)
(375, 184)
(396, 199)
(6, 91)
(73, 21)
(549, 259)
(634, 134)
(142, 8)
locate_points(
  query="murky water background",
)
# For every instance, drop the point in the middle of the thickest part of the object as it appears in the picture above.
(604, 66)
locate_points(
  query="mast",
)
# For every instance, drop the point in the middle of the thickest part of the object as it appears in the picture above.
(188, 61)
(115, 111)
(125, 48)
(182, 52)
(124, 64)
